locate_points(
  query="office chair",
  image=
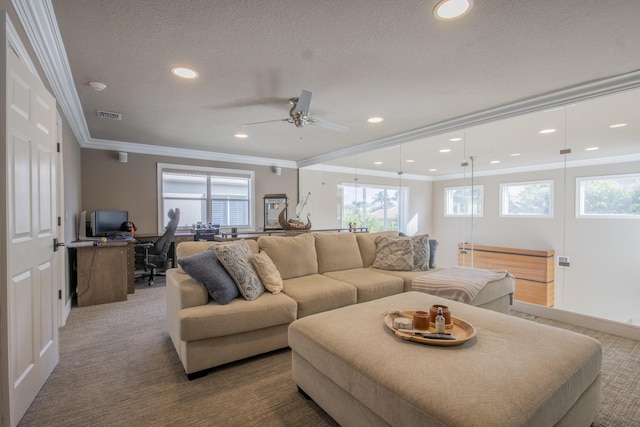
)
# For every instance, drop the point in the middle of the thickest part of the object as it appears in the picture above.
(153, 254)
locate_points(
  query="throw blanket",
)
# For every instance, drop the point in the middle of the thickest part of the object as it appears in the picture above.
(457, 283)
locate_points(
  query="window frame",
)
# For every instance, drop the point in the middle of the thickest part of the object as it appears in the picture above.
(502, 201)
(403, 203)
(447, 198)
(208, 171)
(580, 193)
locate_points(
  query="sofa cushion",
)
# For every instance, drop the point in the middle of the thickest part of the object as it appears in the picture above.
(316, 293)
(337, 251)
(236, 258)
(185, 249)
(367, 245)
(293, 256)
(406, 276)
(205, 267)
(268, 272)
(394, 253)
(215, 320)
(370, 284)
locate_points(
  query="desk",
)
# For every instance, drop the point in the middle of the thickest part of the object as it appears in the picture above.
(100, 272)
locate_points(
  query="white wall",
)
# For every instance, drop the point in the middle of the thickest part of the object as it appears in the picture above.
(325, 199)
(604, 277)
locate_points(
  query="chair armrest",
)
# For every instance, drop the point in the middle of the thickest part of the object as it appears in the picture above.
(145, 245)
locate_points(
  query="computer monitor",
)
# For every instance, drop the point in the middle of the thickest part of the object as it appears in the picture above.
(105, 223)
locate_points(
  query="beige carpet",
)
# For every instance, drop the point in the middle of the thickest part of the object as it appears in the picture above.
(118, 368)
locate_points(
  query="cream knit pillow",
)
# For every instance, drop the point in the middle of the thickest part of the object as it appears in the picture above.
(268, 272)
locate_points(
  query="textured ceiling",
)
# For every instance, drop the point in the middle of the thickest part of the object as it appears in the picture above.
(359, 58)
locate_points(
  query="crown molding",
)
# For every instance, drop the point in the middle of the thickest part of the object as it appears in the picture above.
(549, 166)
(130, 147)
(367, 172)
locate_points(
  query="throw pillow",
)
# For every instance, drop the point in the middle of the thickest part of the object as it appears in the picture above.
(420, 252)
(205, 267)
(236, 258)
(268, 272)
(394, 253)
(433, 247)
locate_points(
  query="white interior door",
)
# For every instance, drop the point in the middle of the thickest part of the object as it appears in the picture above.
(31, 288)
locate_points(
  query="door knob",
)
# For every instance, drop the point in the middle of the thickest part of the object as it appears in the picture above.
(56, 244)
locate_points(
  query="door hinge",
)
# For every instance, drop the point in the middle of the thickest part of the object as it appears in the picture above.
(58, 147)
(59, 293)
(59, 221)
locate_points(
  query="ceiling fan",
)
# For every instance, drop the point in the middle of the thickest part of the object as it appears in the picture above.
(299, 115)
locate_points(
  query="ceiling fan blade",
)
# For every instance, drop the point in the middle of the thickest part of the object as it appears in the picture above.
(266, 121)
(304, 102)
(315, 121)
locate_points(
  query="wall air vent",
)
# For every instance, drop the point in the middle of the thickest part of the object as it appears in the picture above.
(109, 115)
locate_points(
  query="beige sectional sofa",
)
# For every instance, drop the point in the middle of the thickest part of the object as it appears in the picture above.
(320, 272)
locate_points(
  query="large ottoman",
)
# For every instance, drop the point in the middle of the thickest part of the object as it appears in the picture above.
(513, 373)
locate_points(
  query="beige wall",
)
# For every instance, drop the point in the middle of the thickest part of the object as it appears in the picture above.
(72, 182)
(132, 186)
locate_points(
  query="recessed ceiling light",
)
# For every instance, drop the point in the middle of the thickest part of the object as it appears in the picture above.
(494, 162)
(592, 148)
(618, 125)
(514, 154)
(455, 139)
(241, 135)
(433, 170)
(185, 73)
(375, 119)
(377, 163)
(409, 160)
(547, 131)
(451, 9)
(445, 150)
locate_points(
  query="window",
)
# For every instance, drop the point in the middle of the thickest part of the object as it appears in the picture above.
(527, 199)
(615, 196)
(204, 195)
(457, 201)
(379, 208)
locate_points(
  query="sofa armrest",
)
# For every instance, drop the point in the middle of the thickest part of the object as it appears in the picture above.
(182, 292)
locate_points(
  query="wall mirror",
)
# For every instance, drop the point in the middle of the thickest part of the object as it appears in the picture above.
(593, 213)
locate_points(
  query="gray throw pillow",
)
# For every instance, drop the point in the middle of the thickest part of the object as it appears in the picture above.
(433, 247)
(236, 258)
(206, 268)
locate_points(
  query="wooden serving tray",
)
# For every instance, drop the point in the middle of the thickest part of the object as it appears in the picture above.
(462, 330)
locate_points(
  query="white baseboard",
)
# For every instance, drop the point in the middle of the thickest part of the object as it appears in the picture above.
(67, 311)
(625, 330)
